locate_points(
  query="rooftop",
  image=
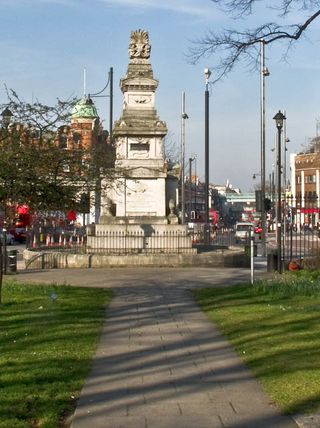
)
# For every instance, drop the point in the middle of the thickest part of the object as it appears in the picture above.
(84, 108)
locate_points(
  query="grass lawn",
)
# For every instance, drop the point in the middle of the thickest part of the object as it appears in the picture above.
(47, 337)
(275, 328)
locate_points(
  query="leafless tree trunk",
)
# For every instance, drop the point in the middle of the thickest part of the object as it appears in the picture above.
(1, 271)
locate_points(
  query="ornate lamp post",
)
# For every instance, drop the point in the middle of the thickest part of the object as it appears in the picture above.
(207, 74)
(279, 118)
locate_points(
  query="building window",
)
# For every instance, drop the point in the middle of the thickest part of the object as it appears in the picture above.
(314, 178)
(65, 167)
(76, 137)
(63, 141)
(298, 179)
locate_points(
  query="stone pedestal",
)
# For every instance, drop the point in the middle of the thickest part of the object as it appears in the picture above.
(138, 212)
(143, 238)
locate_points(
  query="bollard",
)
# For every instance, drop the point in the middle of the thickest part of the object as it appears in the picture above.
(11, 261)
(272, 261)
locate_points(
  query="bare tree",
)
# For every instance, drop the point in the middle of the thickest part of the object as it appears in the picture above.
(36, 168)
(232, 45)
(32, 165)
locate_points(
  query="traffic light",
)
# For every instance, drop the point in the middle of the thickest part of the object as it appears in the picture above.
(267, 204)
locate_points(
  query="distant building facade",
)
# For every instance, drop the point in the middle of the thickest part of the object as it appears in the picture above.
(304, 202)
(85, 131)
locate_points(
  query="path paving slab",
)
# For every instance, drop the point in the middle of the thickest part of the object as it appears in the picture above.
(162, 364)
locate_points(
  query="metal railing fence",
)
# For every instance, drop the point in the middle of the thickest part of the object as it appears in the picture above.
(112, 242)
(138, 241)
(56, 240)
(300, 227)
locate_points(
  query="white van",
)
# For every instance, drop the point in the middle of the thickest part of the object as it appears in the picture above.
(243, 231)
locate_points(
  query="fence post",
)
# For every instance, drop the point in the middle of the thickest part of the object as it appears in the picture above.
(291, 242)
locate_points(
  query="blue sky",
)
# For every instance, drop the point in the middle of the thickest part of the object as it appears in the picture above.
(45, 45)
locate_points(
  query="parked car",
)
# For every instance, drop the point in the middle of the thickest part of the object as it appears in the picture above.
(20, 234)
(9, 237)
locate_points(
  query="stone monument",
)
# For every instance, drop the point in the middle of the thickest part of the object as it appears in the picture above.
(141, 198)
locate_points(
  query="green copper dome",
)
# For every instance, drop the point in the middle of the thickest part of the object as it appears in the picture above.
(84, 109)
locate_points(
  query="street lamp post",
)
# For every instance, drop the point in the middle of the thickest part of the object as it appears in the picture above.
(263, 73)
(190, 186)
(110, 96)
(285, 142)
(207, 74)
(195, 188)
(184, 116)
(101, 94)
(279, 118)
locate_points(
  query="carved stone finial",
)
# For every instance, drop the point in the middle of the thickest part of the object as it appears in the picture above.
(171, 206)
(139, 47)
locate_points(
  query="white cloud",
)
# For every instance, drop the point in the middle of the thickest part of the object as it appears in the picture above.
(182, 6)
(202, 8)
(18, 3)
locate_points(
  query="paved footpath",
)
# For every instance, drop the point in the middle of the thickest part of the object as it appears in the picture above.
(160, 363)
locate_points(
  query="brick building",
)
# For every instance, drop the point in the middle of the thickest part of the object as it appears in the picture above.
(305, 185)
(86, 131)
(85, 128)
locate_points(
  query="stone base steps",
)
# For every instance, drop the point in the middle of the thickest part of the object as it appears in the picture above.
(61, 260)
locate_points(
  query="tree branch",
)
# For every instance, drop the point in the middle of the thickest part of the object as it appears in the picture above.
(232, 45)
